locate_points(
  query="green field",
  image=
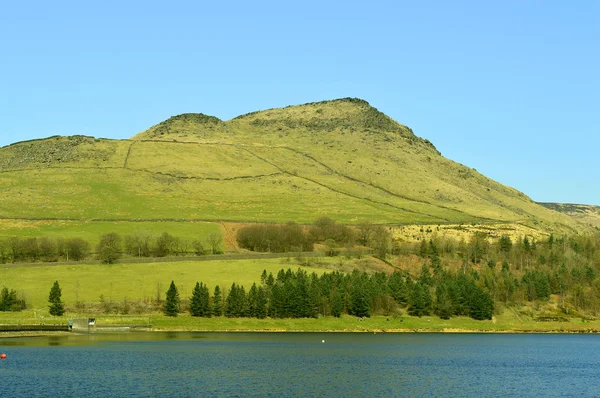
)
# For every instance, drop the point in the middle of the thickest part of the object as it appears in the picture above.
(92, 230)
(134, 282)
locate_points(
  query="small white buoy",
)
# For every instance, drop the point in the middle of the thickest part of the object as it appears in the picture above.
(322, 341)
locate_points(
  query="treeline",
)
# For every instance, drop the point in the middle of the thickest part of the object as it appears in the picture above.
(300, 295)
(290, 237)
(110, 248)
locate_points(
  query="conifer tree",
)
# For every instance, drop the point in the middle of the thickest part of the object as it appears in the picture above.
(172, 301)
(253, 301)
(420, 300)
(423, 248)
(360, 301)
(436, 263)
(337, 304)
(261, 303)
(217, 307)
(443, 304)
(196, 301)
(205, 308)
(57, 307)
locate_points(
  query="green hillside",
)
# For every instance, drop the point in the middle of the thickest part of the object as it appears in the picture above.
(340, 158)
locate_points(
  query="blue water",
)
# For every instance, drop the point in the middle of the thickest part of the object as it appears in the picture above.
(299, 364)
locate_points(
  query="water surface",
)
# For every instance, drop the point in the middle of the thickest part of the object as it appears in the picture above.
(300, 364)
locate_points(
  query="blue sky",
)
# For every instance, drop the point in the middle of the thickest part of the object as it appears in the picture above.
(511, 88)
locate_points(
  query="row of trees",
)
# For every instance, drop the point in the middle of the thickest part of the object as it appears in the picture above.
(300, 295)
(110, 248)
(281, 238)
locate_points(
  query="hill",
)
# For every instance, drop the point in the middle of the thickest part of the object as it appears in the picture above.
(587, 214)
(340, 158)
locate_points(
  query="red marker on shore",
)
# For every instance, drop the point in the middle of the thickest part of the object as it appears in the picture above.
(2, 356)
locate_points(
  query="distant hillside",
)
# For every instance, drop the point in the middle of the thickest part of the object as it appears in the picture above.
(587, 214)
(340, 158)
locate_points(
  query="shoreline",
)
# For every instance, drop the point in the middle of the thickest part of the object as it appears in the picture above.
(14, 334)
(504, 323)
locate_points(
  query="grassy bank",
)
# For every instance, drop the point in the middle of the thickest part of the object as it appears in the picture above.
(185, 323)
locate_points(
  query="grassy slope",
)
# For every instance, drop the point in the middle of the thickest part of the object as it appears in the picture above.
(340, 158)
(349, 146)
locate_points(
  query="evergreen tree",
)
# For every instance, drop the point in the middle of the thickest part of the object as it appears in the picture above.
(360, 300)
(436, 263)
(196, 301)
(261, 303)
(230, 301)
(423, 248)
(313, 301)
(217, 307)
(57, 307)
(276, 302)
(9, 301)
(206, 310)
(253, 301)
(337, 304)
(236, 304)
(425, 277)
(443, 303)
(172, 301)
(420, 300)
(505, 244)
(482, 305)
(263, 277)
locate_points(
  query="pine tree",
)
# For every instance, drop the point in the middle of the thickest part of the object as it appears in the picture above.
(263, 277)
(205, 308)
(172, 301)
(482, 305)
(217, 307)
(276, 302)
(423, 248)
(261, 303)
(57, 307)
(196, 301)
(360, 300)
(253, 301)
(337, 304)
(443, 303)
(229, 301)
(436, 263)
(420, 300)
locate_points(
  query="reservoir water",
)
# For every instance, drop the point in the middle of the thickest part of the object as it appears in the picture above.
(301, 365)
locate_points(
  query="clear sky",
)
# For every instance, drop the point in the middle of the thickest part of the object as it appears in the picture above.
(511, 88)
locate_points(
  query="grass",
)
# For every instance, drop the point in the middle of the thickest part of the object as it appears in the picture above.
(340, 158)
(92, 230)
(184, 322)
(134, 282)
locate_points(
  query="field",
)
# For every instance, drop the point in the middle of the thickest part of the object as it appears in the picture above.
(134, 282)
(91, 230)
